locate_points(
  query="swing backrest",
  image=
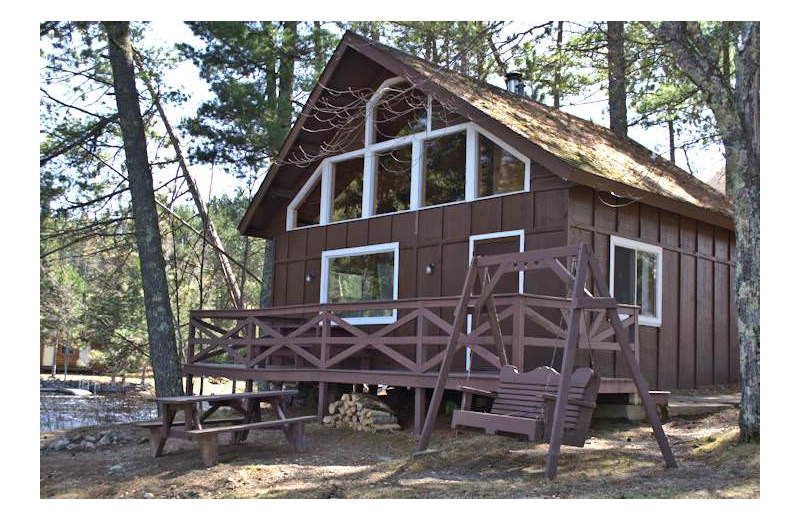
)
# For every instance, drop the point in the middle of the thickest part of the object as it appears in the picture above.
(521, 394)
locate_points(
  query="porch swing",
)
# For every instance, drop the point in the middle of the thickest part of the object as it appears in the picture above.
(543, 404)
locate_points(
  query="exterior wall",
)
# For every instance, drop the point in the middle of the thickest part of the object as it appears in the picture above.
(438, 235)
(696, 344)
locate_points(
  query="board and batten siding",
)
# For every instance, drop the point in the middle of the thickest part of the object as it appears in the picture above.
(696, 344)
(437, 235)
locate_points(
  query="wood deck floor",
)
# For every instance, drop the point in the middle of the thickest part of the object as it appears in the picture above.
(486, 380)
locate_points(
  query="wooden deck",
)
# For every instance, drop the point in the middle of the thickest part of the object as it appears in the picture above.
(321, 346)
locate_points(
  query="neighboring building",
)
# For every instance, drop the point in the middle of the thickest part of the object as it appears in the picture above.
(77, 359)
(397, 172)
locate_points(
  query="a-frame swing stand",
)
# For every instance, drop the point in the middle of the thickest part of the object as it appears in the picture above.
(584, 264)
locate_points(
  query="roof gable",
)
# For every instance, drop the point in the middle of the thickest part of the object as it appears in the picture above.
(571, 147)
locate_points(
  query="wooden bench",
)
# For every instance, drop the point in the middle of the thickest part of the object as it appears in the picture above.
(524, 405)
(208, 438)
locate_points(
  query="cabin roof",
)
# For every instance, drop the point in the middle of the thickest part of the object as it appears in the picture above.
(573, 148)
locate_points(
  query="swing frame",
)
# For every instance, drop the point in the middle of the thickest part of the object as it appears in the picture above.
(584, 264)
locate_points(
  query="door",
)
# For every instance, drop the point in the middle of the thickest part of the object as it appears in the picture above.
(495, 244)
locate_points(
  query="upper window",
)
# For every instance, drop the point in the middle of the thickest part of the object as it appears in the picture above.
(636, 277)
(498, 170)
(361, 274)
(400, 111)
(393, 180)
(444, 169)
(417, 153)
(348, 186)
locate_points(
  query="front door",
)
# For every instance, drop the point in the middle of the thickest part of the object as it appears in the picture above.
(495, 244)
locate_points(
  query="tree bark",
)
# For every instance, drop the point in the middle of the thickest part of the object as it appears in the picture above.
(737, 114)
(161, 334)
(617, 107)
(557, 75)
(265, 299)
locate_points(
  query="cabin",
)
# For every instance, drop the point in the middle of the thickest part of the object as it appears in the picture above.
(397, 172)
(77, 359)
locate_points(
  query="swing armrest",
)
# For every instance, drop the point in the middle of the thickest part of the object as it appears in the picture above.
(575, 402)
(477, 391)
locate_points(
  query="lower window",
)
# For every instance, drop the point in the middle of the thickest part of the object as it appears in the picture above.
(361, 274)
(636, 277)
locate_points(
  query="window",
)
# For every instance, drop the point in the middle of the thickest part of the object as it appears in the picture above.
(361, 274)
(400, 111)
(308, 210)
(636, 277)
(393, 181)
(417, 153)
(444, 169)
(348, 184)
(498, 170)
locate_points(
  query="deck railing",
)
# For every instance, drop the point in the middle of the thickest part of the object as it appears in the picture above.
(320, 336)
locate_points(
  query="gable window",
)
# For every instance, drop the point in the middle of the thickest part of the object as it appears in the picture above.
(307, 213)
(393, 180)
(498, 170)
(348, 185)
(361, 274)
(444, 169)
(635, 277)
(399, 112)
(417, 153)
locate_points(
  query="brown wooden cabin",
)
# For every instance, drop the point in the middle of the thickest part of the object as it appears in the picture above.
(397, 171)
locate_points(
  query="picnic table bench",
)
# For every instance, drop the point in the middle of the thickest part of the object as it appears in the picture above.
(206, 430)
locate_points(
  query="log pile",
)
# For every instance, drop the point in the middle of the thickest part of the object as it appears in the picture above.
(362, 413)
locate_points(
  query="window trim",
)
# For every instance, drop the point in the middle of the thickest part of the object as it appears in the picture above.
(393, 247)
(652, 321)
(324, 170)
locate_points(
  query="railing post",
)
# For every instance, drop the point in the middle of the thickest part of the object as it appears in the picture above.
(420, 353)
(518, 335)
(190, 356)
(324, 353)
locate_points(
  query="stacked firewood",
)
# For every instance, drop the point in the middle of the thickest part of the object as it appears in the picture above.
(362, 413)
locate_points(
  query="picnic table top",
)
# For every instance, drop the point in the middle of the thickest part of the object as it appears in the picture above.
(186, 399)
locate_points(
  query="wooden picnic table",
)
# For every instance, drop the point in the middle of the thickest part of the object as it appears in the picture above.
(199, 426)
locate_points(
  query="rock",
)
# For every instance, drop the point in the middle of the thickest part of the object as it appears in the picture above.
(59, 444)
(105, 440)
(72, 447)
(91, 438)
(143, 440)
(115, 467)
(148, 495)
(87, 445)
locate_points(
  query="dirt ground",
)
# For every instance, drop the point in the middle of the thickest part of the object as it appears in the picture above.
(620, 460)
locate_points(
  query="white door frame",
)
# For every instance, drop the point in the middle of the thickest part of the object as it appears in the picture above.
(520, 233)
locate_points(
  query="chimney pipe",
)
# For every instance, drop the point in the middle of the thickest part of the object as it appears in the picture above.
(514, 82)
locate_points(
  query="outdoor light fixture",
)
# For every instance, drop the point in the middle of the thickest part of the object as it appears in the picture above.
(309, 277)
(429, 268)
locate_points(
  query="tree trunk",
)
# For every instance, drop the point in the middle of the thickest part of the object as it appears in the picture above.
(319, 57)
(557, 75)
(161, 335)
(737, 115)
(671, 129)
(616, 78)
(265, 299)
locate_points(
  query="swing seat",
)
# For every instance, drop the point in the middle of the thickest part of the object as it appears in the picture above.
(524, 405)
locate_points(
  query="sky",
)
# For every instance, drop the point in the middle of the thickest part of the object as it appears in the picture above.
(216, 182)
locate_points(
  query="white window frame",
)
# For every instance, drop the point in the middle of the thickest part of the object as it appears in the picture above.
(653, 321)
(393, 247)
(324, 174)
(488, 236)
